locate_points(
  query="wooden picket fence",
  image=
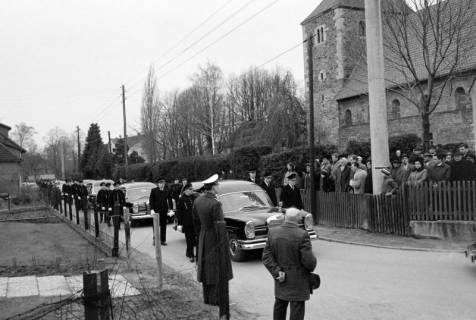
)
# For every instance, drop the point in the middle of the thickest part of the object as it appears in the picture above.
(445, 201)
(392, 214)
(384, 214)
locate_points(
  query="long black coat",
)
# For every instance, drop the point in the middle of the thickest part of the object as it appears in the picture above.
(102, 199)
(160, 200)
(271, 191)
(291, 197)
(184, 212)
(288, 249)
(214, 263)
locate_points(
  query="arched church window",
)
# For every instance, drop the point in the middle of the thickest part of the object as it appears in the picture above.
(320, 34)
(462, 99)
(395, 109)
(348, 118)
(362, 28)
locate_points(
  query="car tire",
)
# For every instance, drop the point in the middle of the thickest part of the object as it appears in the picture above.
(236, 253)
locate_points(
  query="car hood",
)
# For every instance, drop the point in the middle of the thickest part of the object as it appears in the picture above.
(258, 216)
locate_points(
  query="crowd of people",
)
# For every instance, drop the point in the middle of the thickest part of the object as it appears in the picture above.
(352, 173)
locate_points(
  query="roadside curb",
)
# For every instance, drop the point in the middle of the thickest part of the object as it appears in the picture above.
(388, 247)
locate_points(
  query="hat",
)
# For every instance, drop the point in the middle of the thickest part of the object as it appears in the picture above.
(404, 155)
(385, 172)
(292, 176)
(102, 184)
(396, 160)
(268, 174)
(116, 183)
(427, 154)
(252, 170)
(160, 179)
(212, 180)
(188, 185)
(108, 184)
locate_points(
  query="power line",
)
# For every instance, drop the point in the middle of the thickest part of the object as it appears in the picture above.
(177, 44)
(221, 37)
(282, 53)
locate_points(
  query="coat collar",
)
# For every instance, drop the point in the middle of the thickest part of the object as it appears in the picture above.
(290, 225)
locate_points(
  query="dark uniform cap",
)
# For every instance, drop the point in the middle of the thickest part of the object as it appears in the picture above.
(160, 179)
(292, 176)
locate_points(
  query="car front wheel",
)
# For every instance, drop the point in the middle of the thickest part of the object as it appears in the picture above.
(236, 253)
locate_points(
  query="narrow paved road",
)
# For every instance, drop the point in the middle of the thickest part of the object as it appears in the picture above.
(357, 282)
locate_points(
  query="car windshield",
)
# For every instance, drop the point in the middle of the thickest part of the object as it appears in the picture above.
(244, 200)
(138, 194)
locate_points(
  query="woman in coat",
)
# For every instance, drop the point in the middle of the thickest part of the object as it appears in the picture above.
(418, 174)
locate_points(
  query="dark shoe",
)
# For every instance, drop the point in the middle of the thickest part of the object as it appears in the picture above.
(163, 243)
(192, 259)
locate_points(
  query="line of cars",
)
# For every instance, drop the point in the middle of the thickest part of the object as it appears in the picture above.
(248, 211)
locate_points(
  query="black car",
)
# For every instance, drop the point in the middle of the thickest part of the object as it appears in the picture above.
(248, 214)
(470, 252)
(137, 199)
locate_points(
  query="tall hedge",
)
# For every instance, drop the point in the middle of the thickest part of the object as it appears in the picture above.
(246, 158)
(275, 163)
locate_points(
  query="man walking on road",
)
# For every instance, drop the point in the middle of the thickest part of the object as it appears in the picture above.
(289, 258)
(161, 202)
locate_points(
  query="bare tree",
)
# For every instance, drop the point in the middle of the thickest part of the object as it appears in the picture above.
(428, 44)
(23, 135)
(150, 116)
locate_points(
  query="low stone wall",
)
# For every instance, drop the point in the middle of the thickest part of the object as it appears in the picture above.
(444, 230)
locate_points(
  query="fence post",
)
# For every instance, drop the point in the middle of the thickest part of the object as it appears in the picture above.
(116, 221)
(96, 299)
(158, 247)
(76, 207)
(96, 222)
(127, 228)
(86, 214)
(70, 206)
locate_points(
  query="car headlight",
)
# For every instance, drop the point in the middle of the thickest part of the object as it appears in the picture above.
(250, 230)
(135, 208)
(308, 222)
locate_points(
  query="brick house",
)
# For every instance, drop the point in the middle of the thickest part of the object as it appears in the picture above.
(341, 87)
(10, 162)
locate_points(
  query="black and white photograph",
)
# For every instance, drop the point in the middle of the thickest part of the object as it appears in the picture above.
(238, 159)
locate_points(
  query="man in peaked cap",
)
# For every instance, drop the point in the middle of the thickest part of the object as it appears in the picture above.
(160, 201)
(214, 264)
(291, 195)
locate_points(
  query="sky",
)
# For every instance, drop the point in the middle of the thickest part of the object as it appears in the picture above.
(62, 62)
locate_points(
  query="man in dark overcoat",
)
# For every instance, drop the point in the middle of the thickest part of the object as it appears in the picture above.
(289, 258)
(161, 202)
(252, 176)
(214, 263)
(117, 201)
(102, 201)
(185, 219)
(291, 195)
(269, 187)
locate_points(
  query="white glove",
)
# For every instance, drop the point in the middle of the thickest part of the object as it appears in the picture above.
(170, 213)
(152, 211)
(103, 208)
(179, 228)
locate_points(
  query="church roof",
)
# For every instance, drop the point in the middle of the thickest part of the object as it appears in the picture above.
(327, 5)
(395, 72)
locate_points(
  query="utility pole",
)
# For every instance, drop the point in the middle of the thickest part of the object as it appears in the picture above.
(125, 129)
(62, 159)
(109, 141)
(310, 66)
(79, 147)
(377, 95)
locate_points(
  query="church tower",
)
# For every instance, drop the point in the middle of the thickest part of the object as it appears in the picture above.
(338, 27)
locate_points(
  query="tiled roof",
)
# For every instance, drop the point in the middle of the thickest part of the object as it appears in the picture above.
(357, 83)
(326, 5)
(6, 155)
(10, 143)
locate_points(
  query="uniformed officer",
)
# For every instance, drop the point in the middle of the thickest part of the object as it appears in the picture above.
(117, 199)
(102, 201)
(214, 263)
(161, 202)
(291, 195)
(185, 219)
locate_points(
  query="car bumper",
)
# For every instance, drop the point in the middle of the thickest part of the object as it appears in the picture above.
(260, 243)
(139, 216)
